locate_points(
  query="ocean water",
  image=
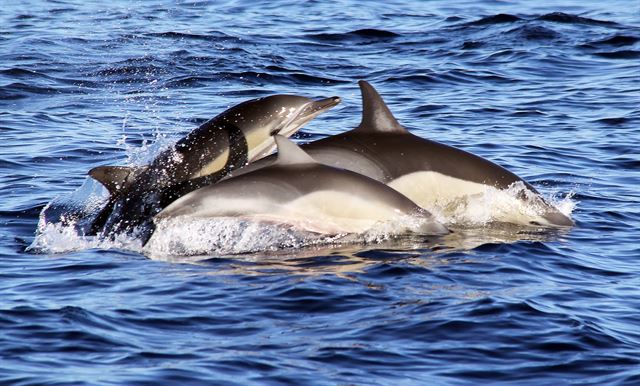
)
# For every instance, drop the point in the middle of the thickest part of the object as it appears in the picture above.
(550, 91)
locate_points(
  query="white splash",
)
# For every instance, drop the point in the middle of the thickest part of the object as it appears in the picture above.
(234, 235)
(63, 237)
(460, 202)
(60, 226)
(225, 236)
(565, 204)
(498, 206)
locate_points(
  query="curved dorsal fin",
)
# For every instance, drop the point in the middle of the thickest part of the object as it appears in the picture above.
(289, 153)
(376, 116)
(114, 178)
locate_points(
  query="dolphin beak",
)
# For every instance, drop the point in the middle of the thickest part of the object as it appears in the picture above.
(305, 114)
(315, 108)
(558, 219)
(325, 104)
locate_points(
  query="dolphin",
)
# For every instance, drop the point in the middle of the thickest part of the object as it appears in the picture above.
(241, 134)
(299, 191)
(425, 171)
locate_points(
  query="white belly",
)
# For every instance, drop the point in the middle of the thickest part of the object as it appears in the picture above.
(337, 212)
(432, 189)
(321, 211)
(457, 201)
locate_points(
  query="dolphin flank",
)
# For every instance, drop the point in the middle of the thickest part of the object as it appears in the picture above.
(241, 134)
(423, 170)
(297, 190)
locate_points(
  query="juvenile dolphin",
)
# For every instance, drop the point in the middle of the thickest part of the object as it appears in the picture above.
(297, 190)
(241, 134)
(423, 170)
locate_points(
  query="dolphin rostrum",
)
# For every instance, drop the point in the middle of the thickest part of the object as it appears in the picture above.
(423, 170)
(299, 191)
(241, 134)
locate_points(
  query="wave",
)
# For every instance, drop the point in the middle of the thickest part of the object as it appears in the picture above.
(557, 17)
(372, 32)
(623, 54)
(614, 121)
(500, 18)
(11, 165)
(454, 76)
(214, 36)
(293, 78)
(188, 81)
(37, 82)
(617, 40)
(21, 72)
(472, 44)
(535, 32)
(561, 17)
(19, 90)
(366, 34)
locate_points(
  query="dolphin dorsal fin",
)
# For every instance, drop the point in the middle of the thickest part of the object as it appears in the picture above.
(289, 153)
(376, 116)
(114, 178)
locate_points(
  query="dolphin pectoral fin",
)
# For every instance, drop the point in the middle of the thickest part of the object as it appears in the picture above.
(376, 116)
(113, 178)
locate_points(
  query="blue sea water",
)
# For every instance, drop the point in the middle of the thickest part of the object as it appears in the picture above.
(550, 91)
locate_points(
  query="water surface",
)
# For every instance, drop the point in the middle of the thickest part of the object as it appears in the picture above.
(549, 91)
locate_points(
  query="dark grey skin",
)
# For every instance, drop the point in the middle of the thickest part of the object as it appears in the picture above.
(295, 176)
(382, 149)
(237, 136)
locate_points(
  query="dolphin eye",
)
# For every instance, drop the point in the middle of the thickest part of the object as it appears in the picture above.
(534, 223)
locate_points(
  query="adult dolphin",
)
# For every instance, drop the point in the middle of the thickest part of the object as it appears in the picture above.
(423, 170)
(297, 190)
(241, 134)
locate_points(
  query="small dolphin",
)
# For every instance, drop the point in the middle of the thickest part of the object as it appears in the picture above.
(423, 170)
(299, 191)
(241, 134)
